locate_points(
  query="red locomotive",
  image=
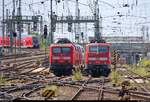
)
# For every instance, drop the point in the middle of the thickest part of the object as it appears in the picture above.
(65, 57)
(97, 59)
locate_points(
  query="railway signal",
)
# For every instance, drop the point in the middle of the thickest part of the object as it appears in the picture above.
(14, 34)
(35, 26)
(82, 35)
(69, 27)
(70, 23)
(45, 36)
(45, 31)
(54, 19)
(137, 58)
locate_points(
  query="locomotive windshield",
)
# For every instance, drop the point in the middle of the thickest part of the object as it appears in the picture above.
(64, 50)
(98, 49)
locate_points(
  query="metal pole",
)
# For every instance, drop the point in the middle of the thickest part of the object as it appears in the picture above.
(7, 26)
(45, 48)
(41, 27)
(3, 29)
(51, 33)
(13, 14)
(15, 50)
(19, 26)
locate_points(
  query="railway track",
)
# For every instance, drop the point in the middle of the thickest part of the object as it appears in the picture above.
(28, 80)
(69, 91)
(26, 53)
(78, 92)
(143, 87)
(134, 76)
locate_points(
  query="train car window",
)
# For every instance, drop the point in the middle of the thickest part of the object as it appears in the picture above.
(56, 50)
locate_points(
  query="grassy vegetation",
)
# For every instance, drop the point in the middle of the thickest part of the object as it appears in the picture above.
(50, 90)
(125, 65)
(116, 78)
(42, 44)
(145, 62)
(140, 71)
(2, 80)
(38, 62)
(77, 75)
(141, 68)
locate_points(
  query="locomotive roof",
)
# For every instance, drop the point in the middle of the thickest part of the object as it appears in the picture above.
(67, 44)
(100, 44)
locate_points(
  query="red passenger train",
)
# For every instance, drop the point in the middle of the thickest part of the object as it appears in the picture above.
(26, 42)
(7, 42)
(30, 42)
(65, 57)
(97, 59)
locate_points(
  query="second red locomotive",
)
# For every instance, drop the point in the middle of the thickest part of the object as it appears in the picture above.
(97, 59)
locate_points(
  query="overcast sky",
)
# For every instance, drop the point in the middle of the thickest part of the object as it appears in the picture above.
(112, 26)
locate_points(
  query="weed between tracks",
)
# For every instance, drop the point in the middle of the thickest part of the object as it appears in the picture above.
(145, 62)
(2, 80)
(140, 71)
(49, 91)
(116, 78)
(77, 75)
(141, 68)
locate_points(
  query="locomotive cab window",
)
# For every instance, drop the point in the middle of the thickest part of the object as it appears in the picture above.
(56, 50)
(61, 50)
(93, 49)
(103, 49)
(98, 49)
(66, 50)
